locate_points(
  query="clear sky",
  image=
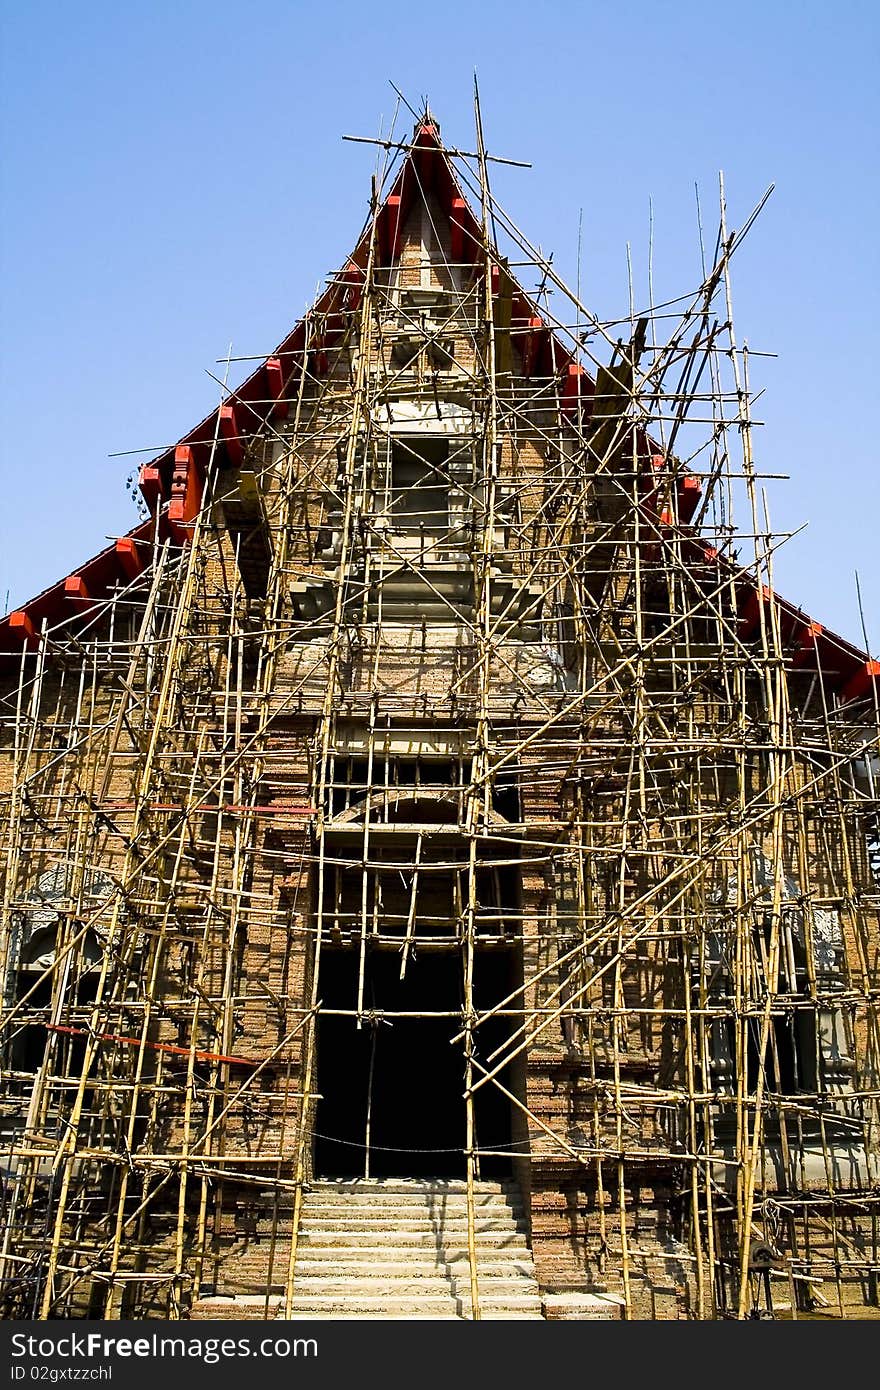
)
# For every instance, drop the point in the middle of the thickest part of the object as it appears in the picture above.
(174, 179)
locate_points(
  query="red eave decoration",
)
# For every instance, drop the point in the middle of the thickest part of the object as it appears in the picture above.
(456, 230)
(75, 588)
(807, 651)
(275, 388)
(21, 628)
(187, 486)
(230, 436)
(860, 684)
(689, 491)
(576, 390)
(150, 484)
(750, 611)
(533, 344)
(128, 553)
(390, 227)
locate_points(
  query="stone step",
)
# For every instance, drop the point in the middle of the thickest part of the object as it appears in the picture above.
(345, 1221)
(436, 1286)
(361, 1305)
(330, 1263)
(410, 1215)
(487, 1314)
(409, 1211)
(377, 1186)
(503, 1239)
(411, 1218)
(398, 1248)
(585, 1307)
(240, 1307)
(403, 1201)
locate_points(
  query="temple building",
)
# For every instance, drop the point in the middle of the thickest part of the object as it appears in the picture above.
(440, 871)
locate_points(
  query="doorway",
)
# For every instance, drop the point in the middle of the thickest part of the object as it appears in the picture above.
(392, 1101)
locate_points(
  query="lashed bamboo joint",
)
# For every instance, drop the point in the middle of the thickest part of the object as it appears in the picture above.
(429, 792)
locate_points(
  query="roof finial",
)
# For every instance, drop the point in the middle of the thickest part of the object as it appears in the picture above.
(429, 118)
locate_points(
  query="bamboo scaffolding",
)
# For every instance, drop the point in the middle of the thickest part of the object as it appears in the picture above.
(513, 711)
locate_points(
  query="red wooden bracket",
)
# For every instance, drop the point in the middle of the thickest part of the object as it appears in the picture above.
(22, 628)
(150, 484)
(689, 491)
(75, 588)
(533, 342)
(129, 556)
(806, 654)
(456, 230)
(187, 486)
(230, 435)
(750, 613)
(575, 389)
(391, 228)
(275, 387)
(859, 684)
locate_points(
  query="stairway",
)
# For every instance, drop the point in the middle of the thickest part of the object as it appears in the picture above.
(397, 1248)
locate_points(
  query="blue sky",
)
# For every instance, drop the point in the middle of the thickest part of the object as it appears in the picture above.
(174, 179)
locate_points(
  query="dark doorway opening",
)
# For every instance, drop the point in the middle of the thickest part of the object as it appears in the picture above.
(406, 1071)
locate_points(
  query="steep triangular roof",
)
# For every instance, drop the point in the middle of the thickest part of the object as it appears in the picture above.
(426, 168)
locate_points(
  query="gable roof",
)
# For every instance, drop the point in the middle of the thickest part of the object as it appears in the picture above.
(169, 482)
